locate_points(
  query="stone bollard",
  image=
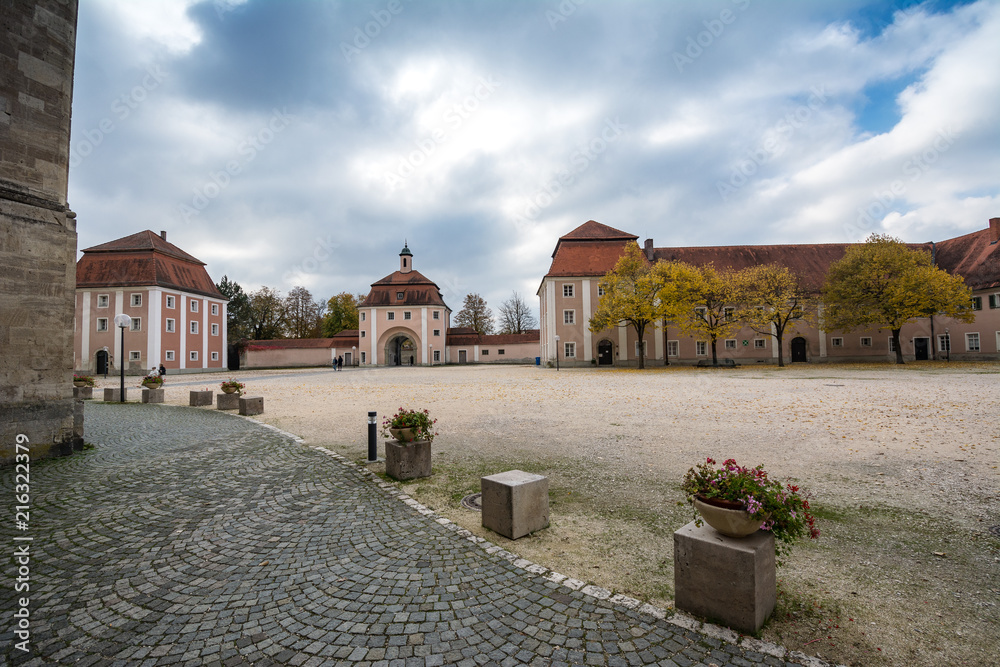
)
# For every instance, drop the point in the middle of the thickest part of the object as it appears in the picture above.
(726, 579)
(152, 395)
(227, 401)
(408, 460)
(115, 395)
(83, 393)
(251, 405)
(200, 398)
(515, 503)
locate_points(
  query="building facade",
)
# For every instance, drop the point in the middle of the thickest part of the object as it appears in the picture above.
(570, 292)
(178, 316)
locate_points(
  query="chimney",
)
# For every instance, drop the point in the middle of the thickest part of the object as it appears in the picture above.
(163, 235)
(994, 230)
(648, 248)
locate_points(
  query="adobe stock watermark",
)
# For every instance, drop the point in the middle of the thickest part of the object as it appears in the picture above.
(454, 117)
(247, 150)
(322, 252)
(363, 35)
(579, 162)
(775, 139)
(565, 9)
(914, 167)
(121, 108)
(704, 39)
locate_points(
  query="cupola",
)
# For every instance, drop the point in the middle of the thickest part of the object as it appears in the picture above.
(405, 259)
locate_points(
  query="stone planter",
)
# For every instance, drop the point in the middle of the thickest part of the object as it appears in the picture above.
(152, 395)
(80, 384)
(408, 460)
(227, 401)
(200, 398)
(726, 517)
(152, 385)
(404, 434)
(229, 390)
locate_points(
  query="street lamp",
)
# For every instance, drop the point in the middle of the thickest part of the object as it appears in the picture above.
(121, 321)
(430, 354)
(372, 445)
(354, 355)
(947, 342)
(557, 353)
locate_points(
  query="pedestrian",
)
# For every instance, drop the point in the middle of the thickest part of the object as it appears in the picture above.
(163, 371)
(340, 363)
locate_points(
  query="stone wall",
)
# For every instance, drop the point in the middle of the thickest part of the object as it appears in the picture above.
(37, 230)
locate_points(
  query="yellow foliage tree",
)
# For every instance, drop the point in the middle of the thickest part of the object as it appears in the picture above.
(714, 316)
(630, 297)
(883, 283)
(678, 294)
(772, 300)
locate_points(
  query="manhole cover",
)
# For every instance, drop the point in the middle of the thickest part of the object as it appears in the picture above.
(993, 529)
(473, 502)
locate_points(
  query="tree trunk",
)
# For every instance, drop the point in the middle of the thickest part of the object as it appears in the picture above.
(641, 332)
(781, 354)
(666, 346)
(899, 348)
(715, 358)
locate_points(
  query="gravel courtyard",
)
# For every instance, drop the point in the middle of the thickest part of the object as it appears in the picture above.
(902, 463)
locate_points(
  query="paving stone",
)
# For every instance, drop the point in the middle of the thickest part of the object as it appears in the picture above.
(195, 537)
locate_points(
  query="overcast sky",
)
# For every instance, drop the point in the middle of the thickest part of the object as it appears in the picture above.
(300, 143)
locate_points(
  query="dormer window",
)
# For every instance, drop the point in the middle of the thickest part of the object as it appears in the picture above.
(399, 296)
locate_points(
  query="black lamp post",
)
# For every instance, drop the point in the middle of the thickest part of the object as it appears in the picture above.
(947, 342)
(372, 445)
(557, 353)
(122, 321)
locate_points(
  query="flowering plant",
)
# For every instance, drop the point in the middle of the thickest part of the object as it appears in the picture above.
(153, 379)
(419, 420)
(780, 507)
(87, 380)
(233, 384)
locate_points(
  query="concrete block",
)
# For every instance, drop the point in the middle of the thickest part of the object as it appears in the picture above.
(408, 460)
(724, 579)
(83, 393)
(251, 405)
(515, 503)
(200, 398)
(115, 395)
(228, 402)
(152, 395)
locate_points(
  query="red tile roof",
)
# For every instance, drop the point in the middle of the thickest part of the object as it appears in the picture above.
(417, 290)
(594, 230)
(141, 260)
(973, 256)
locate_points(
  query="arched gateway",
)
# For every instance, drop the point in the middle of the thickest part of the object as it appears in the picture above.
(400, 350)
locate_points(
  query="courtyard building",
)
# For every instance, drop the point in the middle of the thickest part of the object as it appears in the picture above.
(570, 292)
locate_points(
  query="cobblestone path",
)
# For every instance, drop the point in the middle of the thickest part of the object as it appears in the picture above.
(190, 537)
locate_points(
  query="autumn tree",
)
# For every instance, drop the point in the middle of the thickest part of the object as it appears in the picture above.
(884, 283)
(772, 301)
(341, 314)
(237, 315)
(677, 294)
(301, 314)
(475, 315)
(515, 316)
(714, 315)
(266, 314)
(630, 297)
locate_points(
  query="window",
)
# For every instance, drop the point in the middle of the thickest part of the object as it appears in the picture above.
(136, 324)
(362, 333)
(977, 303)
(437, 332)
(759, 343)
(136, 300)
(390, 316)
(437, 355)
(134, 355)
(170, 302)
(406, 314)
(399, 296)
(972, 342)
(837, 342)
(729, 313)
(730, 343)
(673, 348)
(170, 325)
(701, 348)
(569, 317)
(102, 300)
(568, 290)
(194, 306)
(486, 353)
(362, 317)
(702, 312)
(600, 290)
(215, 356)
(194, 355)
(892, 344)
(215, 329)
(102, 324)
(436, 315)
(645, 348)
(194, 327)
(569, 350)
(500, 351)
(994, 300)
(866, 341)
(215, 309)
(169, 355)
(944, 342)
(364, 357)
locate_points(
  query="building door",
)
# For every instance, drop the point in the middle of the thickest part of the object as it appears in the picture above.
(921, 348)
(348, 361)
(102, 362)
(462, 357)
(605, 353)
(798, 349)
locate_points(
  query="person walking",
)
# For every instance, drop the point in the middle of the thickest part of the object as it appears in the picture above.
(340, 363)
